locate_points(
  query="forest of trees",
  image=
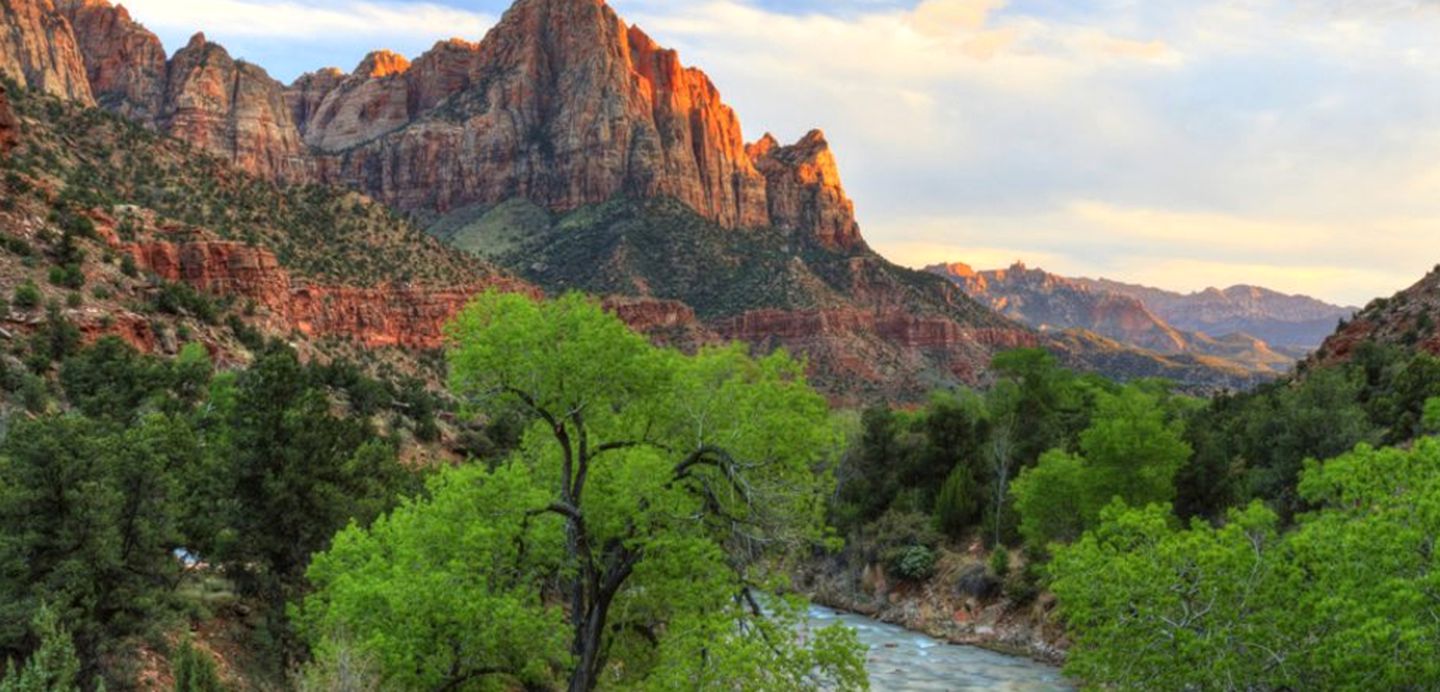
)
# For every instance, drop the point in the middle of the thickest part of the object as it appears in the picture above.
(637, 517)
(1263, 540)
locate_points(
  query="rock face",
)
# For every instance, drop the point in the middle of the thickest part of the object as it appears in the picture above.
(124, 63)
(38, 50)
(231, 108)
(804, 191)
(406, 316)
(9, 124)
(562, 103)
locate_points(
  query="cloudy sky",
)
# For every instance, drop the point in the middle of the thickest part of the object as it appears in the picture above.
(1180, 143)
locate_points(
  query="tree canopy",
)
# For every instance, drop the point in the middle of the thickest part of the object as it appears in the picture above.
(636, 539)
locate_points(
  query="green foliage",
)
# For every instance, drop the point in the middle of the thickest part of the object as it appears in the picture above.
(1052, 499)
(1432, 416)
(180, 299)
(916, 563)
(1156, 608)
(1345, 600)
(53, 667)
(87, 519)
(959, 502)
(1000, 562)
(659, 493)
(288, 456)
(27, 296)
(194, 670)
(1130, 452)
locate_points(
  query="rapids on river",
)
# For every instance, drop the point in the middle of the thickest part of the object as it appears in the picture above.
(902, 660)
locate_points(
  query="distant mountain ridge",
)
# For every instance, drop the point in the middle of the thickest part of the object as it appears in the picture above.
(1286, 321)
(1137, 315)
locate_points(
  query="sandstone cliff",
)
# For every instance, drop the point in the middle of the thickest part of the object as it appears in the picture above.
(386, 315)
(232, 108)
(9, 124)
(562, 103)
(124, 63)
(38, 50)
(804, 191)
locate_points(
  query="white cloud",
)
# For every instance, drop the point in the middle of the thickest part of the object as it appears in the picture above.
(343, 20)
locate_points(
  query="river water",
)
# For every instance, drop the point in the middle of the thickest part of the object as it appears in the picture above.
(902, 660)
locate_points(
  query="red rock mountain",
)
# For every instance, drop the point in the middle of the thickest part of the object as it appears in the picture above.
(564, 107)
(38, 50)
(562, 103)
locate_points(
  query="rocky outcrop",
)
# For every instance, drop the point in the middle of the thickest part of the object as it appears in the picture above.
(124, 63)
(307, 93)
(370, 102)
(387, 315)
(1410, 319)
(38, 50)
(9, 124)
(231, 108)
(562, 104)
(803, 189)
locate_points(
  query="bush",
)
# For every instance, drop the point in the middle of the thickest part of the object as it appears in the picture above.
(1000, 562)
(27, 296)
(67, 276)
(195, 671)
(915, 563)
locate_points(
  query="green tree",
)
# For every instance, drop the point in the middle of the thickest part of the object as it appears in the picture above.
(87, 523)
(1052, 499)
(53, 667)
(1346, 600)
(1153, 607)
(291, 474)
(194, 670)
(1432, 416)
(1132, 450)
(1369, 553)
(662, 494)
(959, 501)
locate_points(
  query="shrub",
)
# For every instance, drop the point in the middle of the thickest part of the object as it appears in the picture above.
(915, 563)
(27, 296)
(67, 276)
(195, 671)
(1000, 562)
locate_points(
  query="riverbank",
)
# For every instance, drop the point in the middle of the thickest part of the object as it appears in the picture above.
(963, 602)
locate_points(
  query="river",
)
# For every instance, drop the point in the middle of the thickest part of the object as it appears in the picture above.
(902, 660)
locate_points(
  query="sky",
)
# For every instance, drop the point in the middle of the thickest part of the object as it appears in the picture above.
(1293, 144)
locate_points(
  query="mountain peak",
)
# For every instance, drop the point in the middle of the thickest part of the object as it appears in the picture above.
(382, 63)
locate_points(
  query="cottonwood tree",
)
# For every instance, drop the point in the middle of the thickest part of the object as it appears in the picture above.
(653, 503)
